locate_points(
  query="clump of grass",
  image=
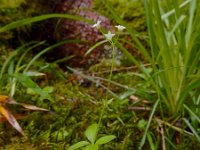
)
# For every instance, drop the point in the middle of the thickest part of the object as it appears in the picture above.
(174, 54)
(174, 40)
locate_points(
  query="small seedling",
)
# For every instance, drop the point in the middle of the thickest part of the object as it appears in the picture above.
(93, 144)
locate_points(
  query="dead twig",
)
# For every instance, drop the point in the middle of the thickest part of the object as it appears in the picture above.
(139, 108)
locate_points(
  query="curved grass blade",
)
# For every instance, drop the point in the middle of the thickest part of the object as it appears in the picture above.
(192, 113)
(26, 52)
(148, 125)
(94, 46)
(192, 129)
(48, 49)
(28, 21)
(10, 57)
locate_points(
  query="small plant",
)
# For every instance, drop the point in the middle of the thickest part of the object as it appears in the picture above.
(93, 144)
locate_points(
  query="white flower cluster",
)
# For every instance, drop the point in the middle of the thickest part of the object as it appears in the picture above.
(109, 35)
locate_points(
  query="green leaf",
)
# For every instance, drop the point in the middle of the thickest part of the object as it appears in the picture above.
(91, 132)
(29, 83)
(78, 145)
(30, 91)
(48, 89)
(142, 124)
(105, 139)
(91, 147)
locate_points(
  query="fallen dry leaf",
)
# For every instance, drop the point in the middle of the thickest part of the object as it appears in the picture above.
(17, 116)
(11, 119)
(4, 100)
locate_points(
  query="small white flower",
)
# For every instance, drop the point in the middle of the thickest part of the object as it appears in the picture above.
(109, 36)
(97, 25)
(120, 27)
(97, 83)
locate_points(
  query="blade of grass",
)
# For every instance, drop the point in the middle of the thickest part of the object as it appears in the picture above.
(11, 56)
(28, 21)
(29, 83)
(192, 129)
(190, 22)
(148, 125)
(48, 49)
(173, 10)
(94, 46)
(192, 113)
(25, 53)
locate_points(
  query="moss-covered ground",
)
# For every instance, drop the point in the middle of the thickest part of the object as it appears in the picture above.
(119, 97)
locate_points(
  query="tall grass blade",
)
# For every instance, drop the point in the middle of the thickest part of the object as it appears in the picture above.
(166, 15)
(28, 21)
(192, 113)
(148, 125)
(25, 53)
(192, 129)
(190, 22)
(11, 56)
(46, 50)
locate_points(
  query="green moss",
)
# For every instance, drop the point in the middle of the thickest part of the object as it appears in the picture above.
(132, 11)
(77, 102)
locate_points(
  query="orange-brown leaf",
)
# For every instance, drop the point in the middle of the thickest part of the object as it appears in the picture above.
(11, 119)
(3, 98)
(6, 99)
(17, 116)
